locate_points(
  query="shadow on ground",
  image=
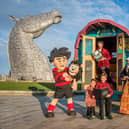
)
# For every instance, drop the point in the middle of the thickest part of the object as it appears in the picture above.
(80, 108)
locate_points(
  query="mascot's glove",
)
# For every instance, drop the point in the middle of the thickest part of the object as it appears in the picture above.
(67, 77)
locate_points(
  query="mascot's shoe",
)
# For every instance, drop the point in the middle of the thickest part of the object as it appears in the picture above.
(49, 114)
(71, 113)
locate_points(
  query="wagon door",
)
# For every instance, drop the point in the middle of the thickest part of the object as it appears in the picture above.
(120, 58)
(89, 46)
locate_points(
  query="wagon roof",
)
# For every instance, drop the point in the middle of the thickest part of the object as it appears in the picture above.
(97, 23)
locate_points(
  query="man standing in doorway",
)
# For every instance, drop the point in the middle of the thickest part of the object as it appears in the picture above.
(103, 62)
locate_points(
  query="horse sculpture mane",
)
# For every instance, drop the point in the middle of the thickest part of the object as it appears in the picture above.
(27, 61)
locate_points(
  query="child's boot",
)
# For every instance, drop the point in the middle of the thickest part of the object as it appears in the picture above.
(88, 112)
(101, 117)
(89, 116)
(110, 117)
(93, 112)
(108, 107)
(101, 108)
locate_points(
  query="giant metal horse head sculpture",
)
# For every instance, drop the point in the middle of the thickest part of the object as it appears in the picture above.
(27, 61)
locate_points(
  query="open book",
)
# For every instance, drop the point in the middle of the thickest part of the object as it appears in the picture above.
(100, 93)
(98, 55)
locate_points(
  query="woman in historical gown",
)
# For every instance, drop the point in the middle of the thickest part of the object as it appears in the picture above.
(124, 106)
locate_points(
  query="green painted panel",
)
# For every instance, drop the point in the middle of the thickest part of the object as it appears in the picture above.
(95, 35)
(119, 70)
(88, 48)
(126, 54)
(120, 45)
(88, 71)
(108, 30)
(80, 51)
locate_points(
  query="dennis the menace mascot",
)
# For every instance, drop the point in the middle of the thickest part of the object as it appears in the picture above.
(59, 58)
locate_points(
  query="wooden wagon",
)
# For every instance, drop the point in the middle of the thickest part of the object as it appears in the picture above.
(116, 41)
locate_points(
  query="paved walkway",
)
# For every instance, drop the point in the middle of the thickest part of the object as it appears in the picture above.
(27, 112)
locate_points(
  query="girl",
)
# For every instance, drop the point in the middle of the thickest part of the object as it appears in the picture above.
(90, 99)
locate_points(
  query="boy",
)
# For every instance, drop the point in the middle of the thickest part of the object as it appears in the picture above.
(59, 58)
(108, 101)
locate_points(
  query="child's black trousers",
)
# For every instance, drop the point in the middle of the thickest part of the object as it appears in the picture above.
(108, 106)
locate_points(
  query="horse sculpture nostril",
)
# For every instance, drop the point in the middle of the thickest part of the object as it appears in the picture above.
(57, 19)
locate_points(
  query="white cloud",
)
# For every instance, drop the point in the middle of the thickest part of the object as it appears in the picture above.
(3, 38)
(19, 1)
(85, 11)
(2, 41)
(76, 15)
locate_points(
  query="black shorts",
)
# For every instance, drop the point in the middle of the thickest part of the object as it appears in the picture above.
(63, 91)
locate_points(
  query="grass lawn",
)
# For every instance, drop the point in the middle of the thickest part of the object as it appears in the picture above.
(28, 86)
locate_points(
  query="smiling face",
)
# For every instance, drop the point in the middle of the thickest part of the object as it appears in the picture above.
(103, 79)
(100, 45)
(93, 84)
(73, 69)
(60, 63)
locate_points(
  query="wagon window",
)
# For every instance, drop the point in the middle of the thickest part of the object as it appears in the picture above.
(120, 45)
(88, 47)
(80, 52)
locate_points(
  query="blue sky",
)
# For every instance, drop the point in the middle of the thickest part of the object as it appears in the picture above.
(76, 14)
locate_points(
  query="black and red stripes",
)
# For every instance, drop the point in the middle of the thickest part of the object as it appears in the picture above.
(59, 79)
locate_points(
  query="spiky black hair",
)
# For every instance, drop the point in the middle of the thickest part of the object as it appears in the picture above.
(63, 51)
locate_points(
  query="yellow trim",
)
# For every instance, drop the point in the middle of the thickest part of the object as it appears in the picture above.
(88, 57)
(120, 56)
